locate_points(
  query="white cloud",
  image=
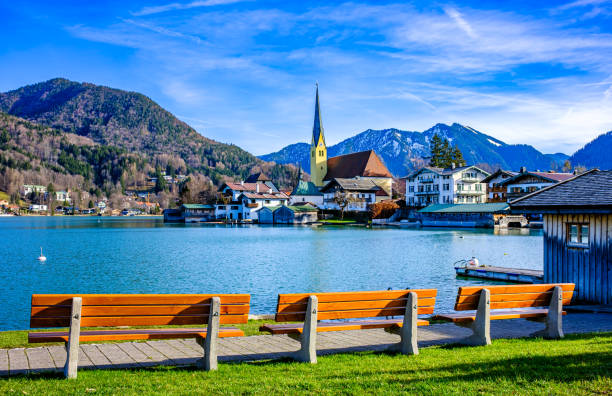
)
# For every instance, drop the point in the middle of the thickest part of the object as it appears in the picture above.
(182, 6)
(462, 23)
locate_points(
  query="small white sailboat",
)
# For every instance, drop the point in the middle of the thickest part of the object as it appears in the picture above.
(41, 257)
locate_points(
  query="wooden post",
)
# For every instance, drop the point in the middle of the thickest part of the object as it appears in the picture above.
(308, 351)
(409, 345)
(209, 360)
(482, 324)
(72, 346)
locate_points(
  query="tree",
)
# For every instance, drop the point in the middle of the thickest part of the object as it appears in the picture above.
(382, 210)
(457, 156)
(436, 151)
(567, 166)
(443, 154)
(90, 205)
(160, 183)
(343, 200)
(51, 199)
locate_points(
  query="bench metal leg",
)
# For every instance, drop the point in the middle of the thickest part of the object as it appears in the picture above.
(308, 351)
(72, 346)
(209, 360)
(481, 327)
(554, 321)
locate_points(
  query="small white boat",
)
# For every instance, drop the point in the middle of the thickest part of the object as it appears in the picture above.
(41, 257)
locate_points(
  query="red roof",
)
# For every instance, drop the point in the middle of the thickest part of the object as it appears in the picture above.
(365, 164)
(247, 186)
(555, 176)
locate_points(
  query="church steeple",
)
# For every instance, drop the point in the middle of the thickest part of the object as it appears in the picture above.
(318, 150)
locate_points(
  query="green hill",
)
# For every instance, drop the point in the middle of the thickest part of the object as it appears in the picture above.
(132, 122)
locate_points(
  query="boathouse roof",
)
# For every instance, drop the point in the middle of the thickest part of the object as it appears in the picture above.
(497, 207)
(589, 192)
(197, 206)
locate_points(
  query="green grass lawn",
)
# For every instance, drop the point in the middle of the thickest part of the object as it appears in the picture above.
(578, 364)
(337, 221)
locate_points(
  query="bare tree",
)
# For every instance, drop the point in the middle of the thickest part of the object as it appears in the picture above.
(343, 199)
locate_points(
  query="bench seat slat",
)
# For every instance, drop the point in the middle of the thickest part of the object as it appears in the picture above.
(351, 314)
(470, 316)
(357, 305)
(132, 334)
(295, 328)
(139, 299)
(136, 310)
(354, 296)
(503, 297)
(113, 321)
(514, 289)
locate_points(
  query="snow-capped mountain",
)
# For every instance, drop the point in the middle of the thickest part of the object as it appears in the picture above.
(403, 151)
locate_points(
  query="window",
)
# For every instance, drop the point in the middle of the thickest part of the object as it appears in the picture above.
(478, 187)
(446, 187)
(267, 201)
(578, 235)
(234, 207)
(411, 188)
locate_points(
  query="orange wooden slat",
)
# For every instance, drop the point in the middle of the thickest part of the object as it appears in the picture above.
(498, 315)
(354, 296)
(111, 321)
(136, 310)
(514, 289)
(463, 299)
(138, 299)
(348, 305)
(353, 314)
(135, 335)
(341, 326)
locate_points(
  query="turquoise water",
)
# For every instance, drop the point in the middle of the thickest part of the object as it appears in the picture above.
(143, 255)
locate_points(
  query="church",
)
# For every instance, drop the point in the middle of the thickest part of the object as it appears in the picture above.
(362, 175)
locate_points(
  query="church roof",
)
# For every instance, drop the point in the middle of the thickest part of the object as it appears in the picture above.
(317, 129)
(305, 188)
(365, 164)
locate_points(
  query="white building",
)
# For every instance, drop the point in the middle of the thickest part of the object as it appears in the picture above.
(38, 208)
(430, 185)
(496, 192)
(33, 188)
(362, 192)
(62, 196)
(241, 201)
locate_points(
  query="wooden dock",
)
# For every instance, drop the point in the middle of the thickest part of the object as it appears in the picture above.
(516, 275)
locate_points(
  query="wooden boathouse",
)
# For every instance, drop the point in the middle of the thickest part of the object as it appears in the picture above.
(577, 233)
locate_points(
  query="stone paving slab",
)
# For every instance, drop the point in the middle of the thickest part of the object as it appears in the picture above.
(236, 349)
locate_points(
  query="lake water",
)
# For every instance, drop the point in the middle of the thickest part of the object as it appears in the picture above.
(144, 255)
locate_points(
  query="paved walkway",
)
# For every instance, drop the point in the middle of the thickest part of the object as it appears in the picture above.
(187, 352)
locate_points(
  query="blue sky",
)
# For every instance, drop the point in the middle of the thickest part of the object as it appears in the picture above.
(243, 72)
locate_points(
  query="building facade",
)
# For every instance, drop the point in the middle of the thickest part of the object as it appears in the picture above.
(430, 185)
(358, 193)
(241, 201)
(527, 182)
(497, 193)
(577, 233)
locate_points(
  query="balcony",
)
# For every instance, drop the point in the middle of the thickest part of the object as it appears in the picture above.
(470, 192)
(469, 179)
(497, 189)
(428, 180)
(427, 193)
(251, 205)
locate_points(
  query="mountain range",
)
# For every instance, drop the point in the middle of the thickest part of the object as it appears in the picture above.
(404, 151)
(595, 154)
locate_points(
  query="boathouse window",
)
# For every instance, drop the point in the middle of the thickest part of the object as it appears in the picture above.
(578, 235)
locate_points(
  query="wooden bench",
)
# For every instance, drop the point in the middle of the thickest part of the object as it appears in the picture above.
(510, 302)
(312, 307)
(113, 310)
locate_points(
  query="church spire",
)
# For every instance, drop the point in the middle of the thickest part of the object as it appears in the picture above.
(317, 129)
(318, 150)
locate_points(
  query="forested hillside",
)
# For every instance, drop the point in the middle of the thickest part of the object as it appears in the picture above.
(134, 123)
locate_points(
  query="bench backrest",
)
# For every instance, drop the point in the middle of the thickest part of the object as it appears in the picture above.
(512, 296)
(106, 310)
(352, 305)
